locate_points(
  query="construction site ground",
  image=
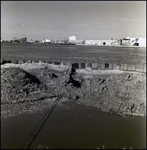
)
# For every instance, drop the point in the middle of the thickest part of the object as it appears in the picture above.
(29, 88)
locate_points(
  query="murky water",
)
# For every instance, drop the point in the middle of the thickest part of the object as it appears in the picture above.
(73, 53)
(73, 126)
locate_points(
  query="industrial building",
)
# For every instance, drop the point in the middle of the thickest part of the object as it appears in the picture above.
(141, 42)
(46, 41)
(21, 40)
(72, 38)
(128, 42)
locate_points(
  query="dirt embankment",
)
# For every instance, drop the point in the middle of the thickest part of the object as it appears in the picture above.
(18, 85)
(122, 93)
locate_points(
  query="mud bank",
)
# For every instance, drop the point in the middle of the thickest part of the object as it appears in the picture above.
(121, 92)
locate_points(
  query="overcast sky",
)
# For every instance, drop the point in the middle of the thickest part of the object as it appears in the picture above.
(58, 20)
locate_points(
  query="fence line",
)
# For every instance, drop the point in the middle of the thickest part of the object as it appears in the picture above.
(83, 65)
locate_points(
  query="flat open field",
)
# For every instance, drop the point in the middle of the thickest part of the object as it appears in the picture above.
(73, 53)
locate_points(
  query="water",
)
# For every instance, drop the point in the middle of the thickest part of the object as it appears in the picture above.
(72, 53)
(73, 126)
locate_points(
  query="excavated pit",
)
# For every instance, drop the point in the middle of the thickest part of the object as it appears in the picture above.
(116, 92)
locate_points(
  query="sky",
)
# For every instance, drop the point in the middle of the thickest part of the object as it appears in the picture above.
(57, 20)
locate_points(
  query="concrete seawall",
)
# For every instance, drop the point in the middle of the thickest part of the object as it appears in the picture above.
(84, 65)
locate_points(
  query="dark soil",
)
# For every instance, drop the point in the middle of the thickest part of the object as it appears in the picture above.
(122, 93)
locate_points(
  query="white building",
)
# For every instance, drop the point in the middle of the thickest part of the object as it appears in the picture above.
(46, 41)
(142, 42)
(72, 38)
(99, 42)
(31, 41)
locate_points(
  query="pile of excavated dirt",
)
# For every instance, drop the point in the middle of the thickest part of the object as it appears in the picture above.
(121, 92)
(18, 85)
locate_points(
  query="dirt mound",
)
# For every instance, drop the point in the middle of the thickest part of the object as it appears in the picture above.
(123, 93)
(18, 85)
(45, 75)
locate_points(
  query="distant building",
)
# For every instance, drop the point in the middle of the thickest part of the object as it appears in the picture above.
(140, 42)
(99, 42)
(72, 38)
(46, 41)
(21, 40)
(37, 41)
(31, 41)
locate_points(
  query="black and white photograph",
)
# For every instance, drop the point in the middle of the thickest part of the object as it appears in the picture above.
(73, 74)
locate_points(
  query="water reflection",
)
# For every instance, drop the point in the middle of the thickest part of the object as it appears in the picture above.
(72, 126)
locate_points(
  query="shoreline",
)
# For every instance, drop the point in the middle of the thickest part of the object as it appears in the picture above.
(74, 44)
(33, 107)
